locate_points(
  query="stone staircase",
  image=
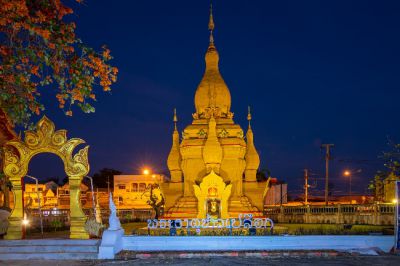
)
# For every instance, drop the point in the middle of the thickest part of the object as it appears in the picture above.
(185, 207)
(48, 249)
(242, 205)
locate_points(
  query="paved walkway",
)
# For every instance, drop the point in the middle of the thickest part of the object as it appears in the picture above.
(386, 260)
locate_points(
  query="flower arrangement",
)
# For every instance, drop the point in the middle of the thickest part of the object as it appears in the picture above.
(93, 227)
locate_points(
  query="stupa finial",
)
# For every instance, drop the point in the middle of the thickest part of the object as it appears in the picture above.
(211, 25)
(175, 119)
(249, 115)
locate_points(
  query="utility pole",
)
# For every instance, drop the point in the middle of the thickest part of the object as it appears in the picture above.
(108, 185)
(306, 186)
(350, 189)
(327, 158)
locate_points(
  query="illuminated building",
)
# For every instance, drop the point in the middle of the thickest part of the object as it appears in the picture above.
(213, 169)
(132, 191)
(389, 187)
(48, 198)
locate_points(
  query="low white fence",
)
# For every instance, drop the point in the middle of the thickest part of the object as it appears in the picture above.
(228, 243)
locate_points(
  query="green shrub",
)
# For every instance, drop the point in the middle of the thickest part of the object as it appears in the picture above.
(56, 224)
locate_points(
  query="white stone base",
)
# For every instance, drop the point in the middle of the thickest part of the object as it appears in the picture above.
(360, 244)
(111, 243)
(48, 249)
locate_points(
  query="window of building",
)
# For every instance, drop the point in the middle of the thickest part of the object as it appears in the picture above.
(64, 201)
(40, 189)
(142, 187)
(122, 186)
(120, 199)
(134, 187)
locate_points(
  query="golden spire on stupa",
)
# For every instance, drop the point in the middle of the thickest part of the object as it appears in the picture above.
(175, 120)
(252, 158)
(211, 25)
(212, 94)
(174, 157)
(249, 115)
(212, 151)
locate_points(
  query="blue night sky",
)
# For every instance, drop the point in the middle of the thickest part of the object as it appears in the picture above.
(313, 72)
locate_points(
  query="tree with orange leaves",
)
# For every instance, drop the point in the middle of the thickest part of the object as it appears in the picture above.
(38, 48)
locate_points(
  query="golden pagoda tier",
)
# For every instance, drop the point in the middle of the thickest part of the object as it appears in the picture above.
(213, 169)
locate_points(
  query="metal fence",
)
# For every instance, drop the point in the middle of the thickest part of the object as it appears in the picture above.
(60, 218)
(373, 214)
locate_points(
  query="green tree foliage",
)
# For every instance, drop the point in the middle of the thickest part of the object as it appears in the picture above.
(156, 200)
(263, 174)
(391, 160)
(105, 175)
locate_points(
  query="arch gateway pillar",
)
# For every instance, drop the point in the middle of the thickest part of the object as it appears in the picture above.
(17, 155)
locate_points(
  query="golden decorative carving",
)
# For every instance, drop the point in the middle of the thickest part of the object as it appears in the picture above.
(212, 188)
(45, 139)
(223, 133)
(202, 134)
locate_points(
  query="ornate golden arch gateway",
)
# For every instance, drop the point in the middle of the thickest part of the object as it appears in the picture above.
(18, 154)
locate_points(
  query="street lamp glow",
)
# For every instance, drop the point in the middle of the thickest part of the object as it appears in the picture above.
(394, 201)
(146, 171)
(347, 173)
(25, 222)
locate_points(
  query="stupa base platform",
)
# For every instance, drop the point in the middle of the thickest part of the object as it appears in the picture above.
(186, 207)
(242, 205)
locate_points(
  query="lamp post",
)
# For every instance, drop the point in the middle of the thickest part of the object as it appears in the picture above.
(91, 187)
(39, 208)
(347, 173)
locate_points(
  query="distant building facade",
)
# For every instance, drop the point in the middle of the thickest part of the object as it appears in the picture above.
(389, 187)
(64, 198)
(277, 193)
(42, 192)
(132, 191)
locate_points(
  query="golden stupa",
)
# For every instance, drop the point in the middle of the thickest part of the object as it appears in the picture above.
(213, 169)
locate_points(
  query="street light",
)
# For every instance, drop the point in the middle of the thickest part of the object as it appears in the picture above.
(347, 173)
(146, 171)
(25, 221)
(91, 187)
(40, 209)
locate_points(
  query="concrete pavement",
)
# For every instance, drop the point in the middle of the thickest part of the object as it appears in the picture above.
(356, 260)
